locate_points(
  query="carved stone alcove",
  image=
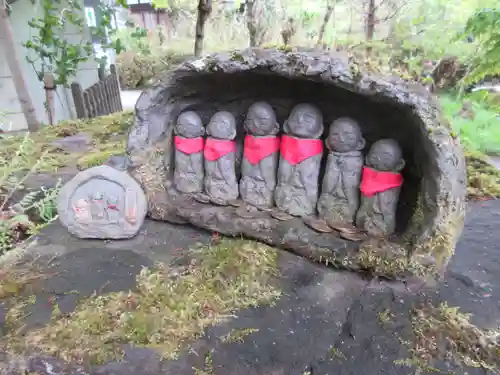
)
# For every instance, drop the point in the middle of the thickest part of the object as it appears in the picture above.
(431, 208)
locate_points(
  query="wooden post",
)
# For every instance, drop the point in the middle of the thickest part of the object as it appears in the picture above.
(77, 92)
(48, 82)
(101, 71)
(116, 88)
(14, 64)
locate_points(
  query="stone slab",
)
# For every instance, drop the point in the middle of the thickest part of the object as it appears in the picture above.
(103, 203)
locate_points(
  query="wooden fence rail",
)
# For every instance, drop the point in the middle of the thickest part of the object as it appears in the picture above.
(102, 98)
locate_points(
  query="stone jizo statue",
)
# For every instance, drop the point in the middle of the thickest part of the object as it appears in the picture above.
(260, 158)
(102, 202)
(189, 144)
(82, 211)
(300, 158)
(380, 187)
(97, 209)
(339, 199)
(220, 181)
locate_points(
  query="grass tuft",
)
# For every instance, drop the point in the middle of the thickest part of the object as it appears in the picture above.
(164, 311)
(108, 135)
(477, 127)
(443, 332)
(483, 179)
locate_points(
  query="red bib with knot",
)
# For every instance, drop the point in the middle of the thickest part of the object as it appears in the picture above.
(296, 150)
(373, 181)
(258, 148)
(217, 148)
(189, 145)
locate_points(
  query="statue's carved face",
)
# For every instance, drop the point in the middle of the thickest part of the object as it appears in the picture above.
(345, 135)
(112, 200)
(386, 155)
(261, 120)
(305, 121)
(222, 125)
(189, 125)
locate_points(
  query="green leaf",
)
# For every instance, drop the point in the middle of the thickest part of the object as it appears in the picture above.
(161, 4)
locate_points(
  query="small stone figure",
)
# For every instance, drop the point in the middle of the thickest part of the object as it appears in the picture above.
(220, 181)
(260, 157)
(380, 187)
(112, 210)
(131, 206)
(339, 199)
(97, 206)
(189, 144)
(102, 202)
(81, 211)
(300, 158)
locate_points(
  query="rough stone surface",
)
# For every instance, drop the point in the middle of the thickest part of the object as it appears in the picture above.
(431, 208)
(119, 162)
(326, 322)
(102, 202)
(74, 143)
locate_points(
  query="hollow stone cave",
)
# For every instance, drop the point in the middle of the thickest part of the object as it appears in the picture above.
(431, 207)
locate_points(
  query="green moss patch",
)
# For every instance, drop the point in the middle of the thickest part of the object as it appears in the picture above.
(443, 332)
(108, 135)
(165, 310)
(482, 177)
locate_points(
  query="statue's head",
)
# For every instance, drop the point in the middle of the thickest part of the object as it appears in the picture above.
(305, 121)
(189, 125)
(112, 199)
(261, 120)
(385, 155)
(345, 135)
(97, 196)
(222, 125)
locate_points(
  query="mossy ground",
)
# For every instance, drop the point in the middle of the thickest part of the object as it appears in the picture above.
(108, 134)
(443, 332)
(164, 312)
(483, 178)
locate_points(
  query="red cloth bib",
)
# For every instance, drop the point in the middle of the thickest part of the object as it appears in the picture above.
(296, 150)
(217, 148)
(258, 148)
(189, 145)
(373, 182)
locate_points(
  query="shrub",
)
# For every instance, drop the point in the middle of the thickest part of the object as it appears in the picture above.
(138, 70)
(479, 131)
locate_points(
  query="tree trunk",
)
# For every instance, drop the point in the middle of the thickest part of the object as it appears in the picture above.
(204, 10)
(351, 18)
(370, 25)
(322, 29)
(252, 27)
(16, 71)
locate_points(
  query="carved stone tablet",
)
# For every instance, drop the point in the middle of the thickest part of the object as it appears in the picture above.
(102, 202)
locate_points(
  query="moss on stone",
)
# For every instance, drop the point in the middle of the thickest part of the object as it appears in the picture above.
(483, 179)
(108, 135)
(93, 159)
(235, 56)
(163, 312)
(416, 223)
(445, 332)
(439, 247)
